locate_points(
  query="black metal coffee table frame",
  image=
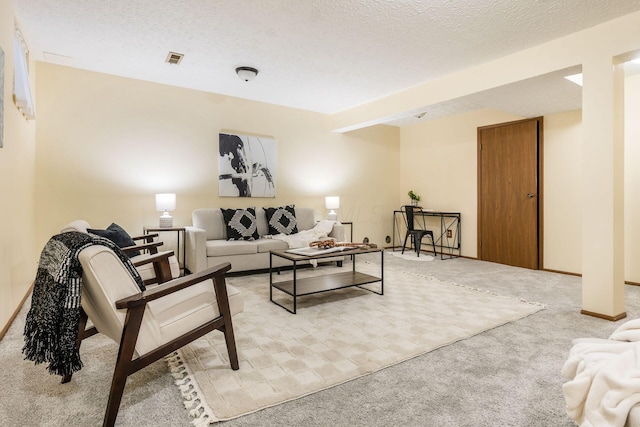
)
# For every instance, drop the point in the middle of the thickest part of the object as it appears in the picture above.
(328, 282)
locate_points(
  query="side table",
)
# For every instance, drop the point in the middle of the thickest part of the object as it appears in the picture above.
(350, 224)
(181, 253)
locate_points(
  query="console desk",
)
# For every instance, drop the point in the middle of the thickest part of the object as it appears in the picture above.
(447, 240)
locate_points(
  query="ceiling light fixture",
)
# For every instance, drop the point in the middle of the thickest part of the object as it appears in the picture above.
(246, 73)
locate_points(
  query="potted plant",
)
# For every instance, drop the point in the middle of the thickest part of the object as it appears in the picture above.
(414, 198)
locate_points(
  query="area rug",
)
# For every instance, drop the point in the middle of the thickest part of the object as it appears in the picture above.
(412, 256)
(334, 337)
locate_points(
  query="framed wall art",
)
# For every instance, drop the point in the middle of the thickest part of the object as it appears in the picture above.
(246, 166)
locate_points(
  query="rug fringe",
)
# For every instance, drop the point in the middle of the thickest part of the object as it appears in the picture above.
(198, 409)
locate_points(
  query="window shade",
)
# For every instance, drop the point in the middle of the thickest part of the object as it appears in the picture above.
(21, 88)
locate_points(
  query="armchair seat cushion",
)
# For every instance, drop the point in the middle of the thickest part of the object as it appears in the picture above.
(105, 281)
(189, 308)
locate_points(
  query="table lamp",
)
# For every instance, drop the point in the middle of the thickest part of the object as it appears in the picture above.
(166, 202)
(332, 203)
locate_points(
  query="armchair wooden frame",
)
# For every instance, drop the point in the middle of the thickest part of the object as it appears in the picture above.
(135, 306)
(148, 243)
(160, 266)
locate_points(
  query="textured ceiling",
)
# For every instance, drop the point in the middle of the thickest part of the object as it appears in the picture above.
(318, 55)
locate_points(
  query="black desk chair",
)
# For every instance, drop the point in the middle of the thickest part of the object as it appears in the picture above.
(408, 213)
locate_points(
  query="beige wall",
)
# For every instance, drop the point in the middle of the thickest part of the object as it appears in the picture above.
(632, 179)
(18, 256)
(438, 160)
(107, 144)
(564, 188)
(563, 192)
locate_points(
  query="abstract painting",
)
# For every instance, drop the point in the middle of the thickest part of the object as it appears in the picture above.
(246, 166)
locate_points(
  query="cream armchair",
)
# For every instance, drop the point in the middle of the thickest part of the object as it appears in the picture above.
(147, 269)
(151, 324)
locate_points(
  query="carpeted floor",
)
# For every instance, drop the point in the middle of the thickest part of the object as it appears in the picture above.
(334, 337)
(507, 376)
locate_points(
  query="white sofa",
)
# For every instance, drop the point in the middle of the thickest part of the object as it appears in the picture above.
(207, 243)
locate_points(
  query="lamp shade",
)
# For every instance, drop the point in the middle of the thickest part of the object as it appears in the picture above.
(332, 202)
(166, 202)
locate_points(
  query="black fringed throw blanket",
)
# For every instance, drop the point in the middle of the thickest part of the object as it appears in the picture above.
(51, 327)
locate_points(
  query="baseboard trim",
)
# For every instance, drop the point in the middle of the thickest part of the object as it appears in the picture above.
(562, 272)
(4, 330)
(604, 316)
(626, 282)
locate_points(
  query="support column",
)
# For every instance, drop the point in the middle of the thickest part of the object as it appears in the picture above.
(603, 189)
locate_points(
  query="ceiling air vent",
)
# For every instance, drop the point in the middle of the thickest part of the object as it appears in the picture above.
(174, 58)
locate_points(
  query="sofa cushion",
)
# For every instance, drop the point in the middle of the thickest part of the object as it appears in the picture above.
(263, 229)
(117, 235)
(266, 245)
(305, 218)
(233, 247)
(211, 221)
(241, 224)
(281, 220)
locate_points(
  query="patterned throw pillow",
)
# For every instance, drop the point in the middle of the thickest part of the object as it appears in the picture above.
(281, 220)
(241, 224)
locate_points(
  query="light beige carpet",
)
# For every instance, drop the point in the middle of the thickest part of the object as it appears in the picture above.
(412, 256)
(335, 337)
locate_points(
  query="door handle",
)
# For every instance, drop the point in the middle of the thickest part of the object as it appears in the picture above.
(531, 195)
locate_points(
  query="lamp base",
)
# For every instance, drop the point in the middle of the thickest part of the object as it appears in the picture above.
(333, 216)
(166, 220)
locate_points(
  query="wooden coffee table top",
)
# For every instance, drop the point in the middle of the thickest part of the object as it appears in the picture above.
(297, 257)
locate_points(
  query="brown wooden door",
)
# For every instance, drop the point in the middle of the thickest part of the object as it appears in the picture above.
(509, 193)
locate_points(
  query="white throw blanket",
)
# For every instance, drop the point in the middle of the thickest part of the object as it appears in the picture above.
(303, 238)
(629, 331)
(604, 377)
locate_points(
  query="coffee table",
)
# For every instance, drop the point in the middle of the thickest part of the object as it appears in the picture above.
(328, 282)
